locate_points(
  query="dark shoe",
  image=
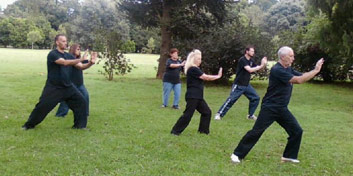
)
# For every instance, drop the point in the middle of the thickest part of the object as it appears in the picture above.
(174, 133)
(164, 106)
(80, 128)
(24, 127)
(175, 107)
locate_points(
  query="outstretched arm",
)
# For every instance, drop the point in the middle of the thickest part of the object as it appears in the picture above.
(308, 75)
(177, 65)
(65, 62)
(212, 77)
(257, 68)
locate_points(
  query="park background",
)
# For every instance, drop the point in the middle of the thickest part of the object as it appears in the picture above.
(129, 133)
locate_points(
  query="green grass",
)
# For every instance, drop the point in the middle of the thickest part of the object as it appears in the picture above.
(129, 133)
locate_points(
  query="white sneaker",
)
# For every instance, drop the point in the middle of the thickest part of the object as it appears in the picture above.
(234, 158)
(253, 117)
(283, 160)
(218, 117)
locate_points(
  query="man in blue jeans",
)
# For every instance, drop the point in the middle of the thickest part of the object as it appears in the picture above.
(275, 108)
(241, 85)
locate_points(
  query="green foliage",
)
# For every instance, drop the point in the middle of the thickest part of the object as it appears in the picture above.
(114, 62)
(56, 12)
(332, 32)
(95, 18)
(44, 27)
(5, 30)
(285, 15)
(129, 47)
(175, 19)
(141, 35)
(18, 34)
(34, 36)
(151, 45)
(223, 45)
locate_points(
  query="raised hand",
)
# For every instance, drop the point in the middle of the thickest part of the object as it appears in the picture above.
(93, 57)
(220, 72)
(85, 55)
(183, 64)
(319, 64)
(264, 61)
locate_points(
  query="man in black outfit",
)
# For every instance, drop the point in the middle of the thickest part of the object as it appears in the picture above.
(275, 108)
(246, 66)
(59, 88)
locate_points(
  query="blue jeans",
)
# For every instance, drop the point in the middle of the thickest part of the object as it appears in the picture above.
(235, 94)
(64, 108)
(167, 88)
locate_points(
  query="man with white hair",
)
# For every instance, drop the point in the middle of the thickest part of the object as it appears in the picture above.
(275, 107)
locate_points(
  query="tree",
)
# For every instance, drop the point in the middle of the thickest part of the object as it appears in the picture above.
(285, 15)
(95, 18)
(167, 16)
(115, 62)
(18, 34)
(5, 30)
(129, 47)
(151, 44)
(52, 35)
(34, 36)
(336, 36)
(56, 13)
(141, 35)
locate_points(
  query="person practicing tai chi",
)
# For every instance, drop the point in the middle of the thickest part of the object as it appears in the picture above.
(275, 107)
(241, 85)
(77, 78)
(59, 88)
(194, 95)
(171, 79)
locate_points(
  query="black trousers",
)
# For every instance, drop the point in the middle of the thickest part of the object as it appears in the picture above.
(191, 105)
(50, 97)
(266, 117)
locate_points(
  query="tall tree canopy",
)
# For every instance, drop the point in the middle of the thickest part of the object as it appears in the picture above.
(174, 18)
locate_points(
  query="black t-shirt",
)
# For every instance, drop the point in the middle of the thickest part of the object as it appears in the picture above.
(172, 75)
(279, 88)
(59, 75)
(243, 76)
(194, 84)
(77, 75)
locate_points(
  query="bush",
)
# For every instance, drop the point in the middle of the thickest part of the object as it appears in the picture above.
(114, 62)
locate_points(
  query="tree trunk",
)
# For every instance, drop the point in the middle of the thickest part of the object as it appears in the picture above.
(32, 45)
(166, 39)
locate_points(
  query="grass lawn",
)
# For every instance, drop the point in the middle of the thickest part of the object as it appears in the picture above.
(129, 132)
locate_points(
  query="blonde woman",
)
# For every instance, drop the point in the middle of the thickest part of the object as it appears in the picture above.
(194, 95)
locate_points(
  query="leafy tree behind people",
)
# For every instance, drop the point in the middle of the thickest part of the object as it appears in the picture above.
(114, 62)
(34, 36)
(167, 16)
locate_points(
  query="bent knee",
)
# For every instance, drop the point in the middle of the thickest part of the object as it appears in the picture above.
(207, 113)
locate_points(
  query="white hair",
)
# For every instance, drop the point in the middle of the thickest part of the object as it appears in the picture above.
(190, 60)
(283, 51)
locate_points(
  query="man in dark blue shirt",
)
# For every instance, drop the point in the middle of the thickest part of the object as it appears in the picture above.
(275, 108)
(246, 66)
(59, 88)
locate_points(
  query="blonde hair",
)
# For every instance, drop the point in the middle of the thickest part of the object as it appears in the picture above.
(190, 60)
